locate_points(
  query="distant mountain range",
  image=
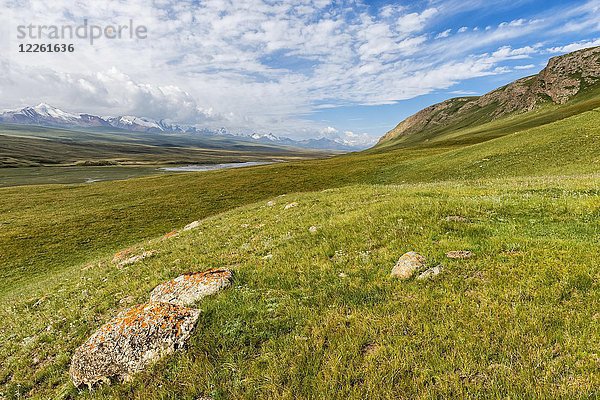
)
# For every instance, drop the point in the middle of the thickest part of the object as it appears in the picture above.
(49, 116)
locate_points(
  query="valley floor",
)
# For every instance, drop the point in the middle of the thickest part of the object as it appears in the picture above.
(316, 315)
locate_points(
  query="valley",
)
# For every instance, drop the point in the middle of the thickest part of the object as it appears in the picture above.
(312, 243)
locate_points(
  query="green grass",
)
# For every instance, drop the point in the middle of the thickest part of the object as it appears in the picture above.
(517, 321)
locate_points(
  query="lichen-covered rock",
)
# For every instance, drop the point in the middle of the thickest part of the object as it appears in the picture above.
(407, 265)
(122, 255)
(170, 235)
(189, 288)
(131, 341)
(459, 254)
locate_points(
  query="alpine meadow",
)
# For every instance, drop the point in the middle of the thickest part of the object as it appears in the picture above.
(454, 258)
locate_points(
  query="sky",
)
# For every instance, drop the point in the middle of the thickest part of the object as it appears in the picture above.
(303, 68)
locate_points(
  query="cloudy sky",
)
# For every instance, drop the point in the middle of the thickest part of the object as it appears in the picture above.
(302, 68)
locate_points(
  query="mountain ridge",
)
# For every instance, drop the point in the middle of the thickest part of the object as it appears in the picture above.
(563, 79)
(48, 116)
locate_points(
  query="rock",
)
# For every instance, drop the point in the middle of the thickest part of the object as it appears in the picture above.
(342, 275)
(270, 203)
(291, 205)
(459, 254)
(430, 273)
(132, 341)
(189, 288)
(134, 259)
(313, 229)
(191, 225)
(121, 255)
(170, 235)
(126, 300)
(268, 257)
(456, 218)
(407, 265)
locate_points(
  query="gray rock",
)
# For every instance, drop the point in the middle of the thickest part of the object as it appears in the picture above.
(459, 254)
(313, 229)
(430, 273)
(191, 225)
(291, 205)
(188, 289)
(456, 218)
(407, 265)
(132, 341)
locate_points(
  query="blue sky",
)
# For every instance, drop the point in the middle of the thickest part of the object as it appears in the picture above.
(305, 68)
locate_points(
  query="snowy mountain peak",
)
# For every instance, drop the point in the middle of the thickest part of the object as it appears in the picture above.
(268, 136)
(46, 115)
(50, 111)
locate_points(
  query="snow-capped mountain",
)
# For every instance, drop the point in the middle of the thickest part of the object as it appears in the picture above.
(46, 115)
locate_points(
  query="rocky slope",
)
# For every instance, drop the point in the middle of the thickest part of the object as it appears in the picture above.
(563, 78)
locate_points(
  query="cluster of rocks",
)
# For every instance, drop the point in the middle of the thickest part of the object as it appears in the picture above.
(143, 334)
(410, 263)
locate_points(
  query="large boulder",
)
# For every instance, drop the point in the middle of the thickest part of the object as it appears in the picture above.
(131, 341)
(407, 265)
(189, 288)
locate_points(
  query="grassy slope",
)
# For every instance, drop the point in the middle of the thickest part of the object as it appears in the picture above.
(513, 322)
(552, 224)
(123, 213)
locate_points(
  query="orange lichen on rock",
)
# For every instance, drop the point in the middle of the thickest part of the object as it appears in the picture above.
(189, 288)
(170, 235)
(131, 341)
(121, 255)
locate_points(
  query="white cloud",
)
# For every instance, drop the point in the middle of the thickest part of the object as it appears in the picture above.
(524, 67)
(443, 34)
(463, 29)
(574, 46)
(261, 64)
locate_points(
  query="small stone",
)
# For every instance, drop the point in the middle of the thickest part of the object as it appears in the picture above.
(191, 225)
(134, 259)
(342, 275)
(245, 225)
(407, 265)
(456, 218)
(459, 254)
(131, 341)
(121, 255)
(126, 300)
(270, 203)
(268, 257)
(291, 205)
(313, 229)
(188, 289)
(170, 235)
(430, 273)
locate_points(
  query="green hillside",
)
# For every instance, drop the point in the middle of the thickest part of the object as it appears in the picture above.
(316, 315)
